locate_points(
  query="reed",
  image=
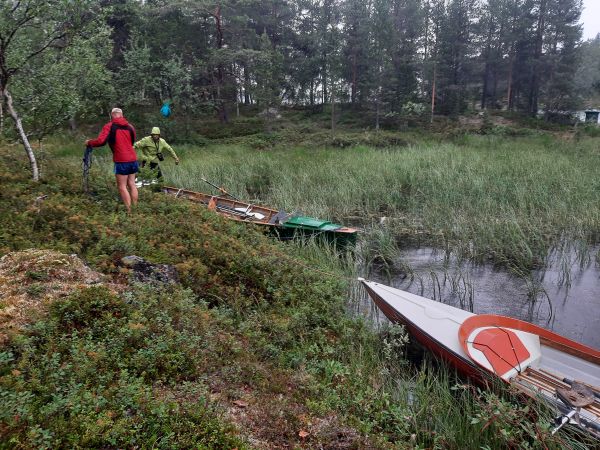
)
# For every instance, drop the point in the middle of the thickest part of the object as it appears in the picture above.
(508, 200)
(429, 406)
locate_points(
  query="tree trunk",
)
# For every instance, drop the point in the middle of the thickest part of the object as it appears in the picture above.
(1, 114)
(534, 87)
(324, 81)
(377, 108)
(427, 7)
(222, 111)
(13, 113)
(433, 92)
(354, 77)
(378, 97)
(509, 95)
(495, 87)
(332, 107)
(484, 89)
(486, 71)
(246, 86)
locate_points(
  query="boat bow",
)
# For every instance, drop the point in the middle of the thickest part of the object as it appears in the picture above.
(536, 361)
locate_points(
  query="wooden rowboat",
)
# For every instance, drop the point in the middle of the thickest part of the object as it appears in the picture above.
(538, 362)
(284, 226)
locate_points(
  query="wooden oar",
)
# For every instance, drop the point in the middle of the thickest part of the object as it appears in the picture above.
(223, 191)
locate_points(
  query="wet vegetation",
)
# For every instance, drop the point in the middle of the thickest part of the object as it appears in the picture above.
(487, 198)
(259, 344)
(263, 345)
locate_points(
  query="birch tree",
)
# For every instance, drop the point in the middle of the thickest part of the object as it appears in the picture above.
(29, 30)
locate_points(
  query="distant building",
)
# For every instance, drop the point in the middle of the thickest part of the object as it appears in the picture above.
(589, 116)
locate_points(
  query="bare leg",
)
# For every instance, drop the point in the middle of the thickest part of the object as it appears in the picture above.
(133, 192)
(123, 192)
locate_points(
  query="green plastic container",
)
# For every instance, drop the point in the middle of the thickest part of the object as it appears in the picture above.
(301, 226)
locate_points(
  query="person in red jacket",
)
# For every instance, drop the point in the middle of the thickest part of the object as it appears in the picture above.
(120, 136)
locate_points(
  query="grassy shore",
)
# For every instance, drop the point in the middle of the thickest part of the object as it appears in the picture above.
(486, 197)
(255, 348)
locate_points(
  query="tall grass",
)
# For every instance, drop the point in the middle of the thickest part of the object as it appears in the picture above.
(505, 199)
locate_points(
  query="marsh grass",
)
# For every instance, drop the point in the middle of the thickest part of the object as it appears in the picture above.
(379, 251)
(508, 200)
(514, 202)
(430, 406)
(570, 255)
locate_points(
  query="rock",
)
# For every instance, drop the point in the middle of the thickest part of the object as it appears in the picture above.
(132, 261)
(31, 280)
(146, 272)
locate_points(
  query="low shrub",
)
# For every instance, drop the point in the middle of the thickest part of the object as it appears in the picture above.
(508, 131)
(259, 141)
(83, 377)
(251, 321)
(345, 139)
(589, 130)
(235, 128)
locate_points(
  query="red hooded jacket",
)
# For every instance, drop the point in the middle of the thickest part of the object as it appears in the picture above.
(120, 136)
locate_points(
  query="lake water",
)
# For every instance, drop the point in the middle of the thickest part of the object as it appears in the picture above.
(566, 301)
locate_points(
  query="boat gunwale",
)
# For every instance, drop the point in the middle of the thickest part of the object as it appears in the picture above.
(204, 198)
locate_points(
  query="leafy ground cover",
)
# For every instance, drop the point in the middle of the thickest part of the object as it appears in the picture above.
(255, 348)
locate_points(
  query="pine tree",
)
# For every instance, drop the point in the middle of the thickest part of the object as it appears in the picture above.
(456, 49)
(357, 61)
(563, 35)
(381, 50)
(268, 74)
(406, 37)
(587, 77)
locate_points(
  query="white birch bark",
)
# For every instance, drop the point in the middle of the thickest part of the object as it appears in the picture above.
(13, 113)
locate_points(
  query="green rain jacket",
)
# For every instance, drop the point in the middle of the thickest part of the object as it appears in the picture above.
(148, 149)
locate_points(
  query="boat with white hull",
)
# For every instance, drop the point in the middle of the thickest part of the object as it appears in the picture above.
(538, 362)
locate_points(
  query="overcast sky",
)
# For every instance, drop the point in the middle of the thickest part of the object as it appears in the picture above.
(591, 18)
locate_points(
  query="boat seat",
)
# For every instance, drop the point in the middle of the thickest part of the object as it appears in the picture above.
(212, 203)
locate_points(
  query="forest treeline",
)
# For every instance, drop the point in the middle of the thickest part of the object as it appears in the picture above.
(388, 54)
(61, 60)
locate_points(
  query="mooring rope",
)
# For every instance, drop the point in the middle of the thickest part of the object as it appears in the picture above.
(86, 165)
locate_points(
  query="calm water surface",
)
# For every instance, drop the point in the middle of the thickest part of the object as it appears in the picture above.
(569, 306)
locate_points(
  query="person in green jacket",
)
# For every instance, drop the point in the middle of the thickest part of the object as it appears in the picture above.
(152, 150)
